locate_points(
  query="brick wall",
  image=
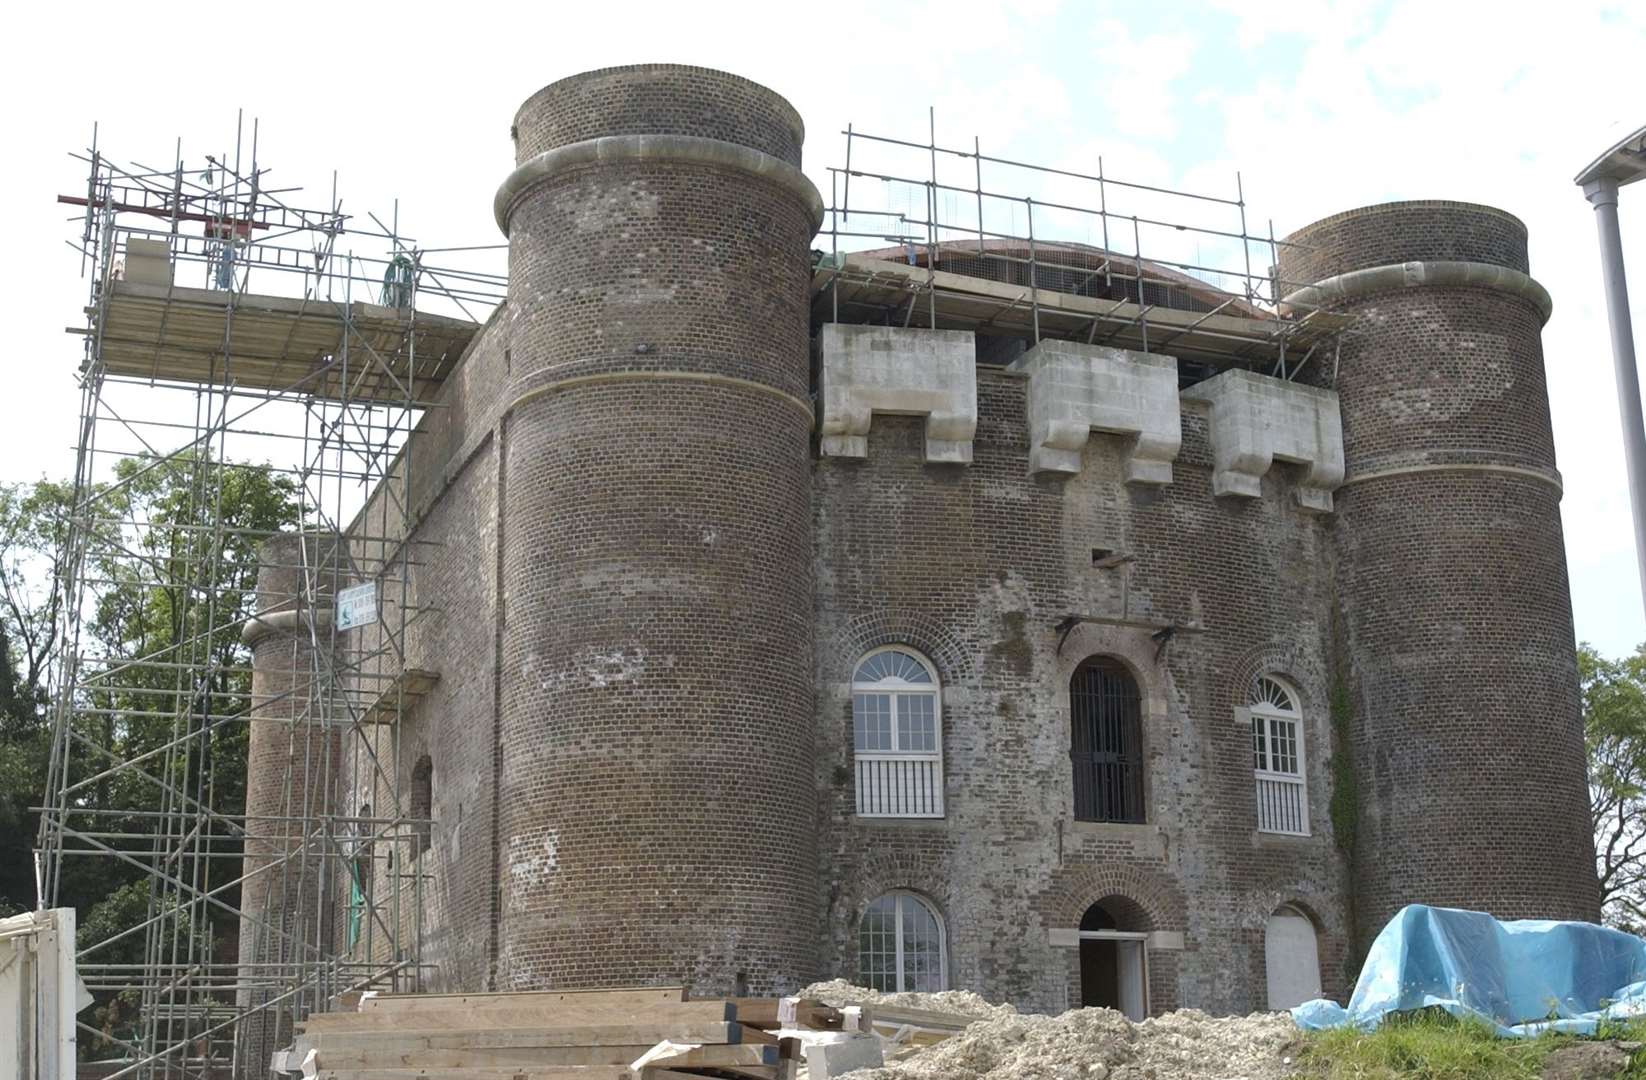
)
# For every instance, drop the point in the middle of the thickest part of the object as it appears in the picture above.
(1456, 616)
(655, 789)
(645, 595)
(974, 567)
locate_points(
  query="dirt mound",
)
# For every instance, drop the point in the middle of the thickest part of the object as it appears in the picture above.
(964, 1002)
(1084, 1044)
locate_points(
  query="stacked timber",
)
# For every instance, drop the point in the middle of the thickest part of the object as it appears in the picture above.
(651, 1033)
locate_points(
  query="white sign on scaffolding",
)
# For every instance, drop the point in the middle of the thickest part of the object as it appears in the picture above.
(357, 606)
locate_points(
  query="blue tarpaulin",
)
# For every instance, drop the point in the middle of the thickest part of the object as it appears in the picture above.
(1522, 977)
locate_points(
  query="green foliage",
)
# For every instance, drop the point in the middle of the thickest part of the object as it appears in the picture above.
(114, 919)
(1433, 1045)
(1614, 729)
(170, 563)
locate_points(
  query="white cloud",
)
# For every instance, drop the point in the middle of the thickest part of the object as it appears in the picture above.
(1496, 103)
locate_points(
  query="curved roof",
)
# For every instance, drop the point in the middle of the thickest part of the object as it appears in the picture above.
(1623, 163)
(1082, 262)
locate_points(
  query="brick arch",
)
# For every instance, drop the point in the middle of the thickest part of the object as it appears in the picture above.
(946, 651)
(1158, 901)
(1279, 659)
(922, 872)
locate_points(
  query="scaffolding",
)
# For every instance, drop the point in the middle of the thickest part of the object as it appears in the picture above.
(230, 332)
(923, 234)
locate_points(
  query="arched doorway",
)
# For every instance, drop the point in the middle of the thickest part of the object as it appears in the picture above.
(1113, 958)
(1291, 954)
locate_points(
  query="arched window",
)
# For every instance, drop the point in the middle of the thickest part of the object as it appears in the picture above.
(1106, 742)
(1277, 758)
(897, 735)
(421, 804)
(1291, 956)
(900, 945)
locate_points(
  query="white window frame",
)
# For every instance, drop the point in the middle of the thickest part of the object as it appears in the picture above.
(1270, 715)
(905, 764)
(901, 897)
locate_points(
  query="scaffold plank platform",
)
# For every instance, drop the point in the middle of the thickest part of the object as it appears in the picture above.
(964, 302)
(277, 343)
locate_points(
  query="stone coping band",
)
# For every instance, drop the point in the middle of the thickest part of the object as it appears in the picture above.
(692, 149)
(1411, 275)
(262, 625)
(1547, 476)
(711, 378)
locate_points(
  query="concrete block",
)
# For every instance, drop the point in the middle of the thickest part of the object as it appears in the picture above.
(837, 1054)
(148, 262)
(1256, 420)
(1076, 389)
(888, 369)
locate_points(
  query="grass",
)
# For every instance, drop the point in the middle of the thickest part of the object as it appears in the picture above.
(1436, 1046)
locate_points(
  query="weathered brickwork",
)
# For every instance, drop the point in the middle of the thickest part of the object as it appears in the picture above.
(644, 593)
(658, 99)
(656, 651)
(974, 567)
(291, 768)
(1457, 629)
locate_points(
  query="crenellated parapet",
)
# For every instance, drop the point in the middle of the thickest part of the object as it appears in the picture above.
(1075, 389)
(893, 370)
(1256, 420)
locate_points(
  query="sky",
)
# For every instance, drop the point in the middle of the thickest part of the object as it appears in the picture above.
(1319, 106)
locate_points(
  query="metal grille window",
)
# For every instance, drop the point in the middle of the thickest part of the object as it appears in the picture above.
(1106, 742)
(1277, 758)
(900, 945)
(897, 736)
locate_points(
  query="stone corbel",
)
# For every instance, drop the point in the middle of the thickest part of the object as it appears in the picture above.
(894, 370)
(1256, 420)
(1075, 389)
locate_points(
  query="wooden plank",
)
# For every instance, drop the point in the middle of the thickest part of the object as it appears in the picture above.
(641, 995)
(546, 1015)
(568, 1072)
(485, 1038)
(751, 1072)
(921, 1018)
(543, 1057)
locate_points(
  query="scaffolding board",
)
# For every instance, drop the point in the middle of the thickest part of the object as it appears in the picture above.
(284, 344)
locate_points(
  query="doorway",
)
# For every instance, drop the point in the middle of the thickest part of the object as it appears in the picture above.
(1291, 953)
(1113, 962)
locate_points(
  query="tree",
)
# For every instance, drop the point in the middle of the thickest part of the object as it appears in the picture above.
(170, 566)
(1614, 724)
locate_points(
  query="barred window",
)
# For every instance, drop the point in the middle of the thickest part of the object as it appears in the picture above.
(897, 735)
(1277, 758)
(1106, 742)
(900, 945)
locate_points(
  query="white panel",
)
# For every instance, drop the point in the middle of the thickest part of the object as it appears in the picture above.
(1133, 997)
(899, 785)
(39, 995)
(1293, 960)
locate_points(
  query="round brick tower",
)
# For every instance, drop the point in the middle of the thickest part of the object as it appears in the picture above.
(1467, 739)
(291, 765)
(656, 773)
